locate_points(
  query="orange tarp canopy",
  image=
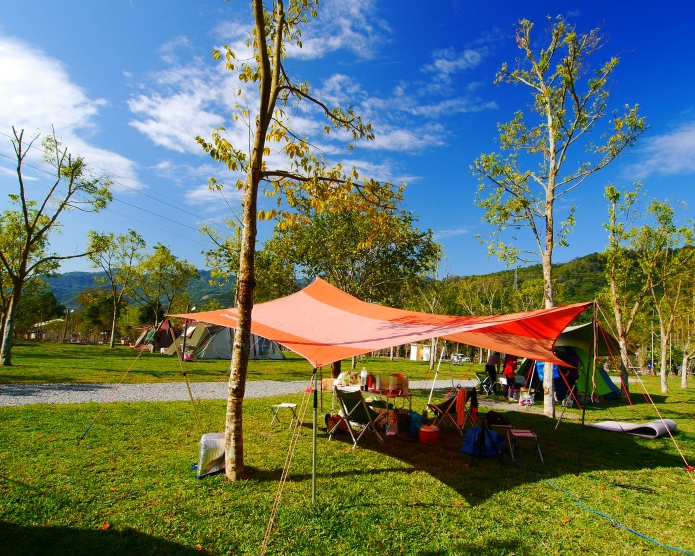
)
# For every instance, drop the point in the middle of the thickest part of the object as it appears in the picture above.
(324, 324)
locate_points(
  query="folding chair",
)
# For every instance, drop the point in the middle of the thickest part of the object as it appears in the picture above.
(485, 385)
(513, 434)
(355, 413)
(448, 408)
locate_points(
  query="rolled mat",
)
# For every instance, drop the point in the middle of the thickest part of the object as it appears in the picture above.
(653, 429)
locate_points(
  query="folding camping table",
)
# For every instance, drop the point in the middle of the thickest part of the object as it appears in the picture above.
(276, 408)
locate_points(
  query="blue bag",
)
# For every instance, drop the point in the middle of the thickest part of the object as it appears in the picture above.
(415, 422)
(470, 442)
(540, 370)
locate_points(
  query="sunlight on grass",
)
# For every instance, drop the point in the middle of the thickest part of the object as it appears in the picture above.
(128, 488)
(53, 362)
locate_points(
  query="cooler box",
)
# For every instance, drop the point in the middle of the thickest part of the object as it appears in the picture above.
(429, 434)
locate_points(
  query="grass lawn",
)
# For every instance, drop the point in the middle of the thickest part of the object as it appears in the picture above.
(54, 362)
(128, 488)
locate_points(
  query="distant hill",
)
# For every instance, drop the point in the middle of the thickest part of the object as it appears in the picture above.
(578, 280)
(66, 287)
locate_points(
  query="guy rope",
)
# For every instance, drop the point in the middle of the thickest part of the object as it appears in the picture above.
(296, 432)
(113, 392)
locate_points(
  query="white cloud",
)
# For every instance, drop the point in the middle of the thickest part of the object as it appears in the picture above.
(341, 25)
(406, 139)
(666, 154)
(453, 106)
(167, 51)
(382, 171)
(9, 172)
(339, 89)
(174, 121)
(448, 61)
(451, 232)
(37, 93)
(213, 201)
(181, 172)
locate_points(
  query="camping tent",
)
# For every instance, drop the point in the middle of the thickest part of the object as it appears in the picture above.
(160, 338)
(196, 334)
(323, 324)
(578, 339)
(221, 340)
(206, 341)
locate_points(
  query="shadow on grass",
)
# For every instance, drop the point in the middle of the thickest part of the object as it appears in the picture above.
(477, 479)
(59, 541)
(637, 398)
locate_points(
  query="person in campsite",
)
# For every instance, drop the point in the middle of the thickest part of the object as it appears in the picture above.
(569, 375)
(573, 362)
(509, 371)
(492, 367)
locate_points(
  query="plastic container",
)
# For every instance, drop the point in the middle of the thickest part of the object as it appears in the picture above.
(517, 394)
(363, 379)
(429, 434)
(399, 382)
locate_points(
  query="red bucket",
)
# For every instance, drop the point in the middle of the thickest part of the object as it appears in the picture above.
(428, 434)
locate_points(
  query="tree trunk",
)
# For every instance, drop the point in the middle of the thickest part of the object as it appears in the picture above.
(433, 353)
(112, 342)
(625, 361)
(684, 370)
(663, 358)
(2, 327)
(6, 349)
(246, 284)
(548, 385)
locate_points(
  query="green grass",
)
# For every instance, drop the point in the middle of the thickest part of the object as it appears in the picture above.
(128, 487)
(54, 362)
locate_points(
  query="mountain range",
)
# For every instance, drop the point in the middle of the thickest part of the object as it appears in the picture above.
(578, 280)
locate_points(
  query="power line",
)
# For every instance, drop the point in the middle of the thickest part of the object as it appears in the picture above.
(126, 186)
(108, 209)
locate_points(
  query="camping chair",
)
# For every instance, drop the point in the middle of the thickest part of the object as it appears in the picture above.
(485, 385)
(356, 413)
(448, 408)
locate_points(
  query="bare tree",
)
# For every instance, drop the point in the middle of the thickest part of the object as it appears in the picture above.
(569, 101)
(25, 231)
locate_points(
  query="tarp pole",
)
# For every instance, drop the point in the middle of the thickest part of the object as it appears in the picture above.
(313, 442)
(185, 333)
(592, 359)
(436, 372)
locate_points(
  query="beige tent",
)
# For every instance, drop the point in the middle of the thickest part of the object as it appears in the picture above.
(204, 341)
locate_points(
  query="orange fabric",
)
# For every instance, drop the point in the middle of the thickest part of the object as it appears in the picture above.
(324, 324)
(461, 406)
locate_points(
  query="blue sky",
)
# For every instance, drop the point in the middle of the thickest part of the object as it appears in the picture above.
(128, 84)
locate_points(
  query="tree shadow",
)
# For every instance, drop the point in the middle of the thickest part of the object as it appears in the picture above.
(64, 541)
(479, 478)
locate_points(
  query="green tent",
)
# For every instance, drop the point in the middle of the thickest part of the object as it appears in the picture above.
(577, 339)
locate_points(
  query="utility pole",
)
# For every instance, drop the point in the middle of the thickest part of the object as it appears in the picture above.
(651, 331)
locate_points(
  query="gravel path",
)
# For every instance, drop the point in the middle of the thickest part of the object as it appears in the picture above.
(29, 393)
